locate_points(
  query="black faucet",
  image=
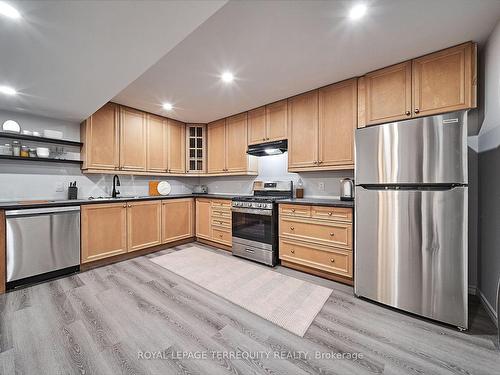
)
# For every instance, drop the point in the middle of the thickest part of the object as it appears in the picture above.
(116, 182)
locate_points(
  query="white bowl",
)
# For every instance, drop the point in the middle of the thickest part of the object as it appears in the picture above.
(42, 152)
(56, 134)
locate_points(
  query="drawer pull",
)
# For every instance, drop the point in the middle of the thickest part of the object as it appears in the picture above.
(332, 260)
(292, 228)
(293, 209)
(292, 251)
(220, 235)
(329, 214)
(249, 250)
(332, 234)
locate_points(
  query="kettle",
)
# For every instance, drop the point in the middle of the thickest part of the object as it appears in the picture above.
(346, 189)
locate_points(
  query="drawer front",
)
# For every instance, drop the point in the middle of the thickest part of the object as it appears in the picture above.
(226, 223)
(295, 210)
(332, 213)
(332, 260)
(218, 213)
(219, 203)
(222, 235)
(323, 232)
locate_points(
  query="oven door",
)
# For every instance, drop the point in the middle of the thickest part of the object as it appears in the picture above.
(253, 224)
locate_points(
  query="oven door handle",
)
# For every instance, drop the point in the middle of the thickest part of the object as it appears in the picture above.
(254, 211)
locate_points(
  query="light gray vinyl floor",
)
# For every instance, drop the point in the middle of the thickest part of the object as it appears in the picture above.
(136, 317)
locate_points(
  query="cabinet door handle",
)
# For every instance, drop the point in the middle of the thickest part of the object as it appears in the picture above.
(263, 139)
(417, 110)
(124, 206)
(408, 113)
(129, 205)
(332, 260)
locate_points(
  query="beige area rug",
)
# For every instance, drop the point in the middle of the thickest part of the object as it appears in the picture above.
(286, 301)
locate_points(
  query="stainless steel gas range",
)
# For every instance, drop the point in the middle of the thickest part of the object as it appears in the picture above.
(255, 221)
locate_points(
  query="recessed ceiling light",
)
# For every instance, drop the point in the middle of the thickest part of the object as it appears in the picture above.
(9, 11)
(167, 106)
(227, 77)
(357, 11)
(7, 90)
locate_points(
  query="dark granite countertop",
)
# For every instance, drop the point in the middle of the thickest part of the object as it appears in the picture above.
(319, 202)
(43, 203)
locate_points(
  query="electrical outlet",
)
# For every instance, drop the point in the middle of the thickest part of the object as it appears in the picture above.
(321, 186)
(59, 187)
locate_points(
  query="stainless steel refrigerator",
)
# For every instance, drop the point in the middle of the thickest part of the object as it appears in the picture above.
(411, 216)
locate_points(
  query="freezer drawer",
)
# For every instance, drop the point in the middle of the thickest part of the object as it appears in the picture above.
(42, 240)
(428, 150)
(411, 251)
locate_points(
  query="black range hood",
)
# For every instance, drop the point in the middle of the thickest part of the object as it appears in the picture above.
(268, 148)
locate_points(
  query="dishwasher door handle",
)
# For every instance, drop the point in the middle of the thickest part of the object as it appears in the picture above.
(41, 211)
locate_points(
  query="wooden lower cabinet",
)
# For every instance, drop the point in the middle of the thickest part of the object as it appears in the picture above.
(115, 228)
(203, 226)
(103, 231)
(177, 219)
(143, 224)
(213, 220)
(317, 239)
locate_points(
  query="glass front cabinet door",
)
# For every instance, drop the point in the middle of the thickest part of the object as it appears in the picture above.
(196, 148)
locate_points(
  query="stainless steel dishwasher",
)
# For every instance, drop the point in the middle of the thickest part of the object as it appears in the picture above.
(42, 243)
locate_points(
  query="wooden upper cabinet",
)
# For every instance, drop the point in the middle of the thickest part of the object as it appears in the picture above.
(104, 231)
(176, 147)
(203, 219)
(177, 219)
(100, 136)
(216, 146)
(257, 132)
(303, 130)
(143, 224)
(157, 144)
(440, 82)
(445, 81)
(337, 122)
(268, 123)
(236, 143)
(132, 139)
(385, 95)
(276, 120)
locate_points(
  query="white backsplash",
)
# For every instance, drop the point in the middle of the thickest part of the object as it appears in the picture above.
(275, 168)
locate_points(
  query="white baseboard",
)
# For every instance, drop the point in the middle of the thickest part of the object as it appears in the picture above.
(489, 309)
(472, 290)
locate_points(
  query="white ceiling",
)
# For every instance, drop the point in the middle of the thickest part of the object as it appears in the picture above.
(280, 48)
(68, 58)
